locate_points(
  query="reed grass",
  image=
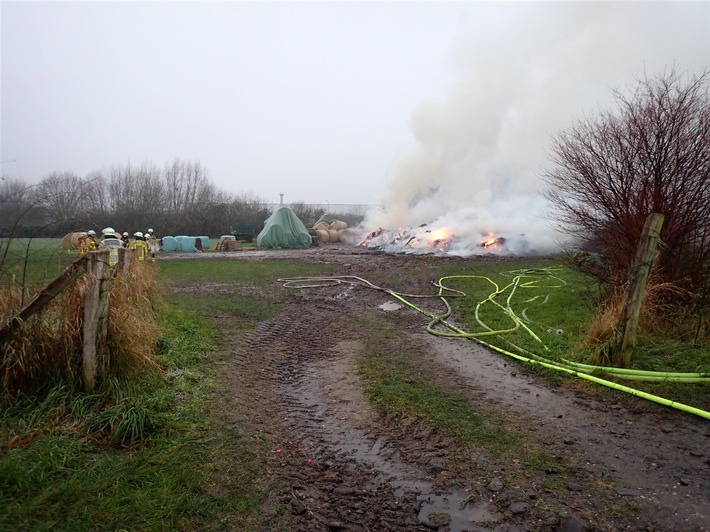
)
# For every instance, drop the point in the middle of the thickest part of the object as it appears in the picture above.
(47, 348)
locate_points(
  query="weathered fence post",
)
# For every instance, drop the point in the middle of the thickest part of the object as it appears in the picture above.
(627, 328)
(39, 301)
(95, 314)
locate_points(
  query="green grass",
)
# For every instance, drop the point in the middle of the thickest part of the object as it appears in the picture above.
(154, 452)
(231, 271)
(392, 384)
(542, 311)
(408, 390)
(150, 456)
(30, 261)
(157, 452)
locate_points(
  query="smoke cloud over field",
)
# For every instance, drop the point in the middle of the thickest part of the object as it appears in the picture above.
(481, 148)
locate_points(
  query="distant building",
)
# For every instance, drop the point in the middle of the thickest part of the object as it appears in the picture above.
(358, 209)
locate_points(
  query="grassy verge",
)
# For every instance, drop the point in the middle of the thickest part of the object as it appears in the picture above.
(158, 470)
(542, 308)
(153, 452)
(404, 388)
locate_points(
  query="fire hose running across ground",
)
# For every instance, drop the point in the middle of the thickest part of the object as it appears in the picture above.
(583, 371)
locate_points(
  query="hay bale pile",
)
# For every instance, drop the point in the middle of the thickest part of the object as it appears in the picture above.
(230, 245)
(330, 232)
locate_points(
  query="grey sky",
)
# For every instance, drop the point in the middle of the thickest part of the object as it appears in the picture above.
(324, 101)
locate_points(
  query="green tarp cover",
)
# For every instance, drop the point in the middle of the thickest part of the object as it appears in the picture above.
(283, 230)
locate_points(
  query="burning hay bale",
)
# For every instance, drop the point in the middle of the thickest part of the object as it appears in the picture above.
(440, 241)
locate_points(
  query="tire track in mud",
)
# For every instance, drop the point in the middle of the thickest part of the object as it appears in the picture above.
(350, 476)
(658, 455)
(329, 489)
(347, 471)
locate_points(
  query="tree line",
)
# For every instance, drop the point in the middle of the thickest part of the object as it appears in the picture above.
(178, 198)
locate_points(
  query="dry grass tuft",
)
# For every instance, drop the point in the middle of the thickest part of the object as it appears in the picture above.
(47, 348)
(132, 325)
(655, 309)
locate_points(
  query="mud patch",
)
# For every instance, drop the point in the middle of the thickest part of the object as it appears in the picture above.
(343, 465)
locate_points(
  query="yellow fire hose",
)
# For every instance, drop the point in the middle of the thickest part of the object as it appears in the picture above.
(582, 371)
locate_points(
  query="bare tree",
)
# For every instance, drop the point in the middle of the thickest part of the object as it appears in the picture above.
(308, 214)
(96, 192)
(187, 185)
(16, 203)
(651, 155)
(135, 195)
(61, 197)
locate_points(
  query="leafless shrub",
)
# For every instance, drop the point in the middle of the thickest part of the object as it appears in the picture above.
(651, 156)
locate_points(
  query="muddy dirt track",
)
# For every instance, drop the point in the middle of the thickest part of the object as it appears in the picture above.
(339, 463)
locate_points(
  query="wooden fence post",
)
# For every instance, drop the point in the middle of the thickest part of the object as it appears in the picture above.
(95, 314)
(39, 301)
(627, 328)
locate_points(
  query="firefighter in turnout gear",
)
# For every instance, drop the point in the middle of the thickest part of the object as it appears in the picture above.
(88, 243)
(110, 241)
(153, 245)
(139, 246)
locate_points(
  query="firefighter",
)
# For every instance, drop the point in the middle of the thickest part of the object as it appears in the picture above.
(110, 241)
(152, 242)
(139, 245)
(124, 239)
(92, 242)
(88, 243)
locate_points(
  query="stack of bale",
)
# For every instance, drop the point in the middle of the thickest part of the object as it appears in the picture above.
(229, 243)
(330, 232)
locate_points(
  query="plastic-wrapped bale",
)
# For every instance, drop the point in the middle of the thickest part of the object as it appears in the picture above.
(170, 243)
(186, 243)
(333, 235)
(224, 242)
(323, 236)
(321, 226)
(204, 241)
(283, 230)
(337, 225)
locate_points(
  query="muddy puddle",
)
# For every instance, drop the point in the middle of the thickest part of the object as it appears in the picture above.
(328, 411)
(624, 445)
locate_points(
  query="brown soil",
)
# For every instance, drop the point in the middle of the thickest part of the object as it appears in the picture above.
(339, 463)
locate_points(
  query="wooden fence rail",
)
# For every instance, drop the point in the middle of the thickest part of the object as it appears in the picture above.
(95, 265)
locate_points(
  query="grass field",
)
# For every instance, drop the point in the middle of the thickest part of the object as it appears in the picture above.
(174, 461)
(30, 261)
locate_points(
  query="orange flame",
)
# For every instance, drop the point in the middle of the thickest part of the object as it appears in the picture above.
(490, 242)
(439, 234)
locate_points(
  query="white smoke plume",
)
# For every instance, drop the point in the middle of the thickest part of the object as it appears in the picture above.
(522, 72)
